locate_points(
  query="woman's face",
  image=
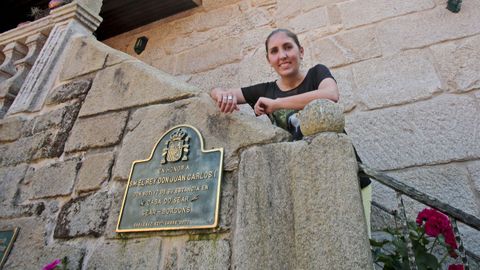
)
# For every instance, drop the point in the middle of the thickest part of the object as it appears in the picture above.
(284, 55)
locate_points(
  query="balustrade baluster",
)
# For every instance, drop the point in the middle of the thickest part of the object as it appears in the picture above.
(23, 66)
(2, 57)
(13, 52)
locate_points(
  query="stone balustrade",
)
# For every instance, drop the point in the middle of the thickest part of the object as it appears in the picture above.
(20, 47)
(30, 52)
(20, 55)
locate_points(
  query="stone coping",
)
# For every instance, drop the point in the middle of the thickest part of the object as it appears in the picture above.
(43, 25)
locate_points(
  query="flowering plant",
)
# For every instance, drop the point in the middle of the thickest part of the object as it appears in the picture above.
(56, 264)
(432, 233)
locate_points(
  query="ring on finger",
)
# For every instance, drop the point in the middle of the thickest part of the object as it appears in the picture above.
(230, 98)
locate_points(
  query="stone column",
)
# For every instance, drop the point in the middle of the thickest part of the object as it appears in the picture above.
(72, 19)
(299, 204)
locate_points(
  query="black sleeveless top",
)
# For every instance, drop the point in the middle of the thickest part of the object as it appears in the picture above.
(314, 77)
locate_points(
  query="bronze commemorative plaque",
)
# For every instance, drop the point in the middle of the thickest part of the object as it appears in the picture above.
(177, 187)
(7, 237)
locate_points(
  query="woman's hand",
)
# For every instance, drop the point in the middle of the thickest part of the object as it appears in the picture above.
(226, 99)
(265, 106)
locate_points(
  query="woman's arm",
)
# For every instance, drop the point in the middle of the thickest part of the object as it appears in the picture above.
(326, 90)
(227, 99)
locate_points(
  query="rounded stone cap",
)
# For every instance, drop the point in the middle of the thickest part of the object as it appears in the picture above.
(321, 115)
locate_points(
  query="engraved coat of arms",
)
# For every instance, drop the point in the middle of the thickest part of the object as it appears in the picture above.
(177, 147)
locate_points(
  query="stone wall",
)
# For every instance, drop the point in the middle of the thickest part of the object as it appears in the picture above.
(64, 169)
(408, 71)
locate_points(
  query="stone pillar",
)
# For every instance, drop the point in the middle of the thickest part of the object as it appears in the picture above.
(72, 19)
(299, 204)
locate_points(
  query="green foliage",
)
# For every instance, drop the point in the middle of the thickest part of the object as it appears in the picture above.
(391, 250)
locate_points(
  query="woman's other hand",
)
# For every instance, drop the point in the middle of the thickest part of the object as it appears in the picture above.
(227, 99)
(265, 106)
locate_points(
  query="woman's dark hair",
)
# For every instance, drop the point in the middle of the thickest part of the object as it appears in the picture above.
(287, 32)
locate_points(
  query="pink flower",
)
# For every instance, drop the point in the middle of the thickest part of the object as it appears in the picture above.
(52, 265)
(437, 223)
(456, 267)
(424, 215)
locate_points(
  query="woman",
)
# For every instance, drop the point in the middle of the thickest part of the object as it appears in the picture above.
(282, 98)
(291, 92)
